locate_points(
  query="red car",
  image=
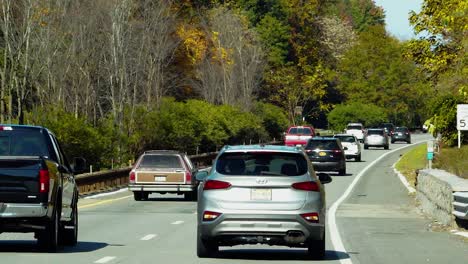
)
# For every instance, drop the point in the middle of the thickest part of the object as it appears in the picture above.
(298, 135)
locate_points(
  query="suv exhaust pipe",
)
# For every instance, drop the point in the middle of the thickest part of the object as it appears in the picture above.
(294, 237)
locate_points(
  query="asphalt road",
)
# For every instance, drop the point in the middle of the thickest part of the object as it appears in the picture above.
(377, 223)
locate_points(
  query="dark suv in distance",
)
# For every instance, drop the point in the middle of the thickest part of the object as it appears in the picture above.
(326, 154)
(401, 134)
(389, 128)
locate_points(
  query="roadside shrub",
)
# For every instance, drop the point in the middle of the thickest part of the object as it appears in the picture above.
(367, 114)
(273, 118)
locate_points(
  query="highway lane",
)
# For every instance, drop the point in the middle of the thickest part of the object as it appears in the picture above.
(163, 229)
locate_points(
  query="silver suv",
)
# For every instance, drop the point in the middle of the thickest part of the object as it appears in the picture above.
(261, 194)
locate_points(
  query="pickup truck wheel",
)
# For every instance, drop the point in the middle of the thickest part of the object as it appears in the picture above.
(358, 158)
(48, 239)
(70, 235)
(206, 249)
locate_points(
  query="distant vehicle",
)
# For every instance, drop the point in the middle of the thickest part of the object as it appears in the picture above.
(356, 129)
(425, 128)
(327, 154)
(351, 145)
(38, 192)
(298, 135)
(389, 128)
(163, 171)
(376, 137)
(401, 134)
(261, 194)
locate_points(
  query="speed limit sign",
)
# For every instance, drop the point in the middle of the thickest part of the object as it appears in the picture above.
(462, 117)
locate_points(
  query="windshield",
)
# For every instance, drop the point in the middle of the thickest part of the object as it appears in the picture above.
(23, 143)
(300, 131)
(161, 162)
(349, 139)
(262, 163)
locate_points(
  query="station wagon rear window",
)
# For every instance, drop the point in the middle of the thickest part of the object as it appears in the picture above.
(262, 163)
(354, 127)
(160, 162)
(349, 139)
(375, 132)
(322, 144)
(22, 143)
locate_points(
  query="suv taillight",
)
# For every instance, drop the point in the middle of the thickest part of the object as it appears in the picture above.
(311, 217)
(131, 178)
(306, 186)
(44, 181)
(210, 216)
(216, 185)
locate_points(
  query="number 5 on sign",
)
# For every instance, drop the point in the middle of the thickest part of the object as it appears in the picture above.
(462, 117)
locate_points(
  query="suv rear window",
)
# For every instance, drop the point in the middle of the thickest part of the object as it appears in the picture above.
(349, 139)
(160, 162)
(322, 144)
(300, 131)
(23, 143)
(375, 132)
(401, 129)
(262, 163)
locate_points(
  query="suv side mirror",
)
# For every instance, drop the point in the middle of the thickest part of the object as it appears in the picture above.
(79, 165)
(201, 175)
(324, 178)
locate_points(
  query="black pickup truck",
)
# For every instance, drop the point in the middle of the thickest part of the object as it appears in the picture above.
(38, 192)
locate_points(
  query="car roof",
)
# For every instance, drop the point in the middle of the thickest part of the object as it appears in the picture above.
(261, 147)
(375, 128)
(343, 135)
(354, 124)
(322, 138)
(162, 151)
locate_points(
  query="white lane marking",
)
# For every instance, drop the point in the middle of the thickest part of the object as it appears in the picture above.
(148, 237)
(333, 228)
(104, 259)
(403, 179)
(463, 234)
(177, 222)
(106, 194)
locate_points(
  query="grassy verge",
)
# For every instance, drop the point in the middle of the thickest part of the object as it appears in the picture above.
(453, 160)
(411, 161)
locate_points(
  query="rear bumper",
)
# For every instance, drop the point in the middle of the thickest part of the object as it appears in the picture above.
(400, 138)
(273, 229)
(22, 210)
(295, 142)
(328, 166)
(176, 188)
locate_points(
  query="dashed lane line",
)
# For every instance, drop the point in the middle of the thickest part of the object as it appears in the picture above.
(104, 202)
(177, 223)
(104, 259)
(148, 237)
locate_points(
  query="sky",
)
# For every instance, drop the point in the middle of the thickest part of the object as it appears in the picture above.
(396, 12)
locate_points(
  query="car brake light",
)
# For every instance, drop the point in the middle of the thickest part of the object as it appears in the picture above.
(216, 185)
(311, 217)
(306, 186)
(337, 151)
(132, 177)
(188, 176)
(2, 128)
(210, 216)
(44, 181)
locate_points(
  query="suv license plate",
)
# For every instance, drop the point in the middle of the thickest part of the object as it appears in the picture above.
(260, 194)
(160, 178)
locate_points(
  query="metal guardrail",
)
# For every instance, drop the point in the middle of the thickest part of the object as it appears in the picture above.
(460, 205)
(106, 180)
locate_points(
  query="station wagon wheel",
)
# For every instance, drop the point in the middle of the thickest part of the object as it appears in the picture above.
(138, 196)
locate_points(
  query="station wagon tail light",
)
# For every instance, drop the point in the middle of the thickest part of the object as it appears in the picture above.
(210, 216)
(306, 186)
(188, 176)
(311, 217)
(216, 185)
(44, 181)
(132, 177)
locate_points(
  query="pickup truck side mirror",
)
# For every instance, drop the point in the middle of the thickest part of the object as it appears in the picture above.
(324, 178)
(79, 165)
(201, 175)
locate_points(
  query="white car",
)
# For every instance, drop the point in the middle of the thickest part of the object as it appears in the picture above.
(356, 129)
(351, 145)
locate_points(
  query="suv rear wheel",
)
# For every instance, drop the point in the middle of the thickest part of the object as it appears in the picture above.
(205, 249)
(316, 248)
